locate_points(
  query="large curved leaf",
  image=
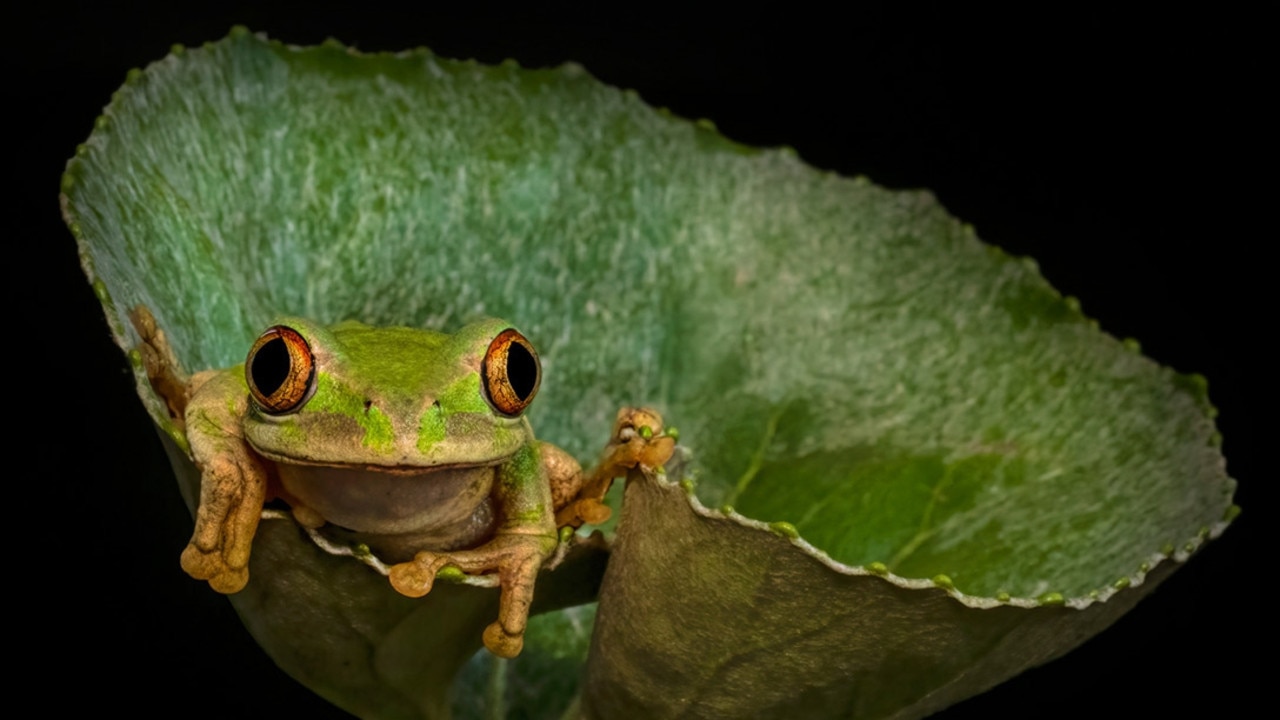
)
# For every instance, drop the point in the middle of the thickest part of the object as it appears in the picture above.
(842, 358)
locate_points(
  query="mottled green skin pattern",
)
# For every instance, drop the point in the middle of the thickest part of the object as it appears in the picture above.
(393, 397)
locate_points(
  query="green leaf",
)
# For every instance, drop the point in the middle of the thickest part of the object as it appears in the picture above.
(914, 428)
(542, 682)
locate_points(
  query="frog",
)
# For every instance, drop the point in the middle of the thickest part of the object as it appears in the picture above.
(413, 443)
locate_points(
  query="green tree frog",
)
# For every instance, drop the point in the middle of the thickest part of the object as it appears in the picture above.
(413, 442)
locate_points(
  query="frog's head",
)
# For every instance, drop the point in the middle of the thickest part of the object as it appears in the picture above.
(389, 398)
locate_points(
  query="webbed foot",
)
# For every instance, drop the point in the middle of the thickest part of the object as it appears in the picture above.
(516, 558)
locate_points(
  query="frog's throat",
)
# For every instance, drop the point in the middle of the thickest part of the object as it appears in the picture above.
(389, 468)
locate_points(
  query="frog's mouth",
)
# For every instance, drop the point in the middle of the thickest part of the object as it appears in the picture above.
(402, 468)
(480, 443)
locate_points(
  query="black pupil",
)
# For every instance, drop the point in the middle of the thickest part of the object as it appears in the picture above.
(522, 370)
(270, 366)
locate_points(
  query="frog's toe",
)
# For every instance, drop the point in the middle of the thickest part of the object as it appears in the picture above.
(585, 510)
(414, 578)
(634, 422)
(232, 580)
(656, 451)
(501, 643)
(594, 511)
(199, 564)
(211, 566)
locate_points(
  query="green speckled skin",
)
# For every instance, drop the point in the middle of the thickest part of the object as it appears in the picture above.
(425, 406)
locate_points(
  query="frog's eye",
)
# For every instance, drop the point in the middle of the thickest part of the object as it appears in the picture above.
(280, 370)
(511, 373)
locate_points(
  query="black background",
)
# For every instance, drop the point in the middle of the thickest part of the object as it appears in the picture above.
(1117, 149)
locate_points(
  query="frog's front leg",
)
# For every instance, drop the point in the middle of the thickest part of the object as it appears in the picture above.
(516, 558)
(638, 440)
(233, 482)
(525, 538)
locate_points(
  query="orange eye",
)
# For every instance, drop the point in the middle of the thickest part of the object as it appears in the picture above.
(280, 370)
(511, 373)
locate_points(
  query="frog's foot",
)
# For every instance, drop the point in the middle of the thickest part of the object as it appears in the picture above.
(584, 511)
(230, 505)
(638, 441)
(212, 566)
(502, 643)
(515, 557)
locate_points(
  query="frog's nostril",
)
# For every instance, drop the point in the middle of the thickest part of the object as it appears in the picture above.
(367, 404)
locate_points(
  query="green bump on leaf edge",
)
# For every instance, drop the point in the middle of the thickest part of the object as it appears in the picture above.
(877, 568)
